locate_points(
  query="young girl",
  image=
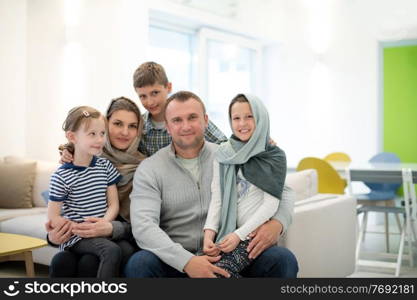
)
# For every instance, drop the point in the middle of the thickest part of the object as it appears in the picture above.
(248, 179)
(86, 188)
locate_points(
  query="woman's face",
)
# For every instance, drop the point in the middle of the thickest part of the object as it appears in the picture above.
(123, 128)
(243, 123)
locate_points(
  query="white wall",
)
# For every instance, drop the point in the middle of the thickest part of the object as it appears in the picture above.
(12, 77)
(80, 52)
(322, 96)
(326, 96)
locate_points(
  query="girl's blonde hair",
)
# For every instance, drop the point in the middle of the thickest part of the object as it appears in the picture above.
(80, 115)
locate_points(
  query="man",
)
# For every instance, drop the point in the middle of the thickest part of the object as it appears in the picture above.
(169, 204)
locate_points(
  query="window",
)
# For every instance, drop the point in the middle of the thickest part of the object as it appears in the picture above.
(174, 51)
(213, 64)
(230, 65)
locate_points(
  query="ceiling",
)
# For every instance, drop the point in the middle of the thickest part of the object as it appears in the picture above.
(225, 8)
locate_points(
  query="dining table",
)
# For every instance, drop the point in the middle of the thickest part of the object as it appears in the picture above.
(404, 173)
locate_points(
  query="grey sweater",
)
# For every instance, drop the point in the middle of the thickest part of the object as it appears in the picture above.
(168, 207)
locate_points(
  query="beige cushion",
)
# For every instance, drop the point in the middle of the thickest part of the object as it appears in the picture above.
(10, 213)
(304, 183)
(44, 170)
(16, 184)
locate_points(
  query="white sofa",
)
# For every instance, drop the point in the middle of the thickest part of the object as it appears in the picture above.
(322, 234)
(30, 221)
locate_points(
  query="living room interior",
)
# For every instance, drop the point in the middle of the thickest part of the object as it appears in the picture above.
(334, 75)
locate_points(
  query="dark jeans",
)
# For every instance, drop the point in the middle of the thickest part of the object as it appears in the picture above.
(108, 252)
(71, 264)
(273, 262)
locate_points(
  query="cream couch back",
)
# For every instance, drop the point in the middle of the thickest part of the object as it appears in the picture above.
(303, 183)
(44, 170)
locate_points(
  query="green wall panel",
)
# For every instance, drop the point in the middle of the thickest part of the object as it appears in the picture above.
(400, 101)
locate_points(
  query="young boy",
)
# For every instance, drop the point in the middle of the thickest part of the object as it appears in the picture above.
(152, 86)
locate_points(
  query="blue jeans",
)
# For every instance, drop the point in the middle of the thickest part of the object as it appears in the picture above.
(273, 262)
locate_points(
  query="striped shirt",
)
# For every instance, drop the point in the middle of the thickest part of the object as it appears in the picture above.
(154, 138)
(83, 190)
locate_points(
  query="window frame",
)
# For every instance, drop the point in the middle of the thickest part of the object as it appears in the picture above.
(206, 34)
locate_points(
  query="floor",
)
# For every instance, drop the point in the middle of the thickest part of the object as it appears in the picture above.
(374, 242)
(17, 269)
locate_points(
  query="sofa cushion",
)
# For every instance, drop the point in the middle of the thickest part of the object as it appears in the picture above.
(10, 213)
(323, 236)
(304, 183)
(16, 184)
(30, 225)
(44, 170)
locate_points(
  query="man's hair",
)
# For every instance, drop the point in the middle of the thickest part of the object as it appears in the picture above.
(149, 73)
(183, 96)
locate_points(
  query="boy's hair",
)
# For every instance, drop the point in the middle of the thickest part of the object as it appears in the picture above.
(183, 96)
(80, 115)
(239, 98)
(149, 73)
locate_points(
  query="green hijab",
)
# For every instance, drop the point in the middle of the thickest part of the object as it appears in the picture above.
(262, 164)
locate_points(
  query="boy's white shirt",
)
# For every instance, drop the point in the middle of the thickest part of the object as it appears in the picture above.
(253, 208)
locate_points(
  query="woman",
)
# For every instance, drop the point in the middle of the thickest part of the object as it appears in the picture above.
(124, 132)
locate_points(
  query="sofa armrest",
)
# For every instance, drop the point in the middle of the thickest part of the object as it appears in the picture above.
(323, 236)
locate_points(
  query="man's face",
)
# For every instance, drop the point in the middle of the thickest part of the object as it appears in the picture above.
(186, 123)
(153, 98)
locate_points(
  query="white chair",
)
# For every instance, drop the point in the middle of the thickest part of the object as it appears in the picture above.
(407, 232)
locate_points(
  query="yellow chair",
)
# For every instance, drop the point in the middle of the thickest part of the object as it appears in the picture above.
(329, 180)
(337, 156)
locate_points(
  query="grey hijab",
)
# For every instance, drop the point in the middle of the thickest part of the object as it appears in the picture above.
(262, 164)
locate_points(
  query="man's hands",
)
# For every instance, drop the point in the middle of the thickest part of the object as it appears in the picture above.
(202, 267)
(59, 234)
(229, 242)
(264, 237)
(93, 227)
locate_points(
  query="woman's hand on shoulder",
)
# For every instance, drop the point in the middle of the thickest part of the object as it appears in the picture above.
(93, 227)
(66, 157)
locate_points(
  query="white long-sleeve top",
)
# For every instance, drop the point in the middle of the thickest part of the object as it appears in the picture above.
(254, 206)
